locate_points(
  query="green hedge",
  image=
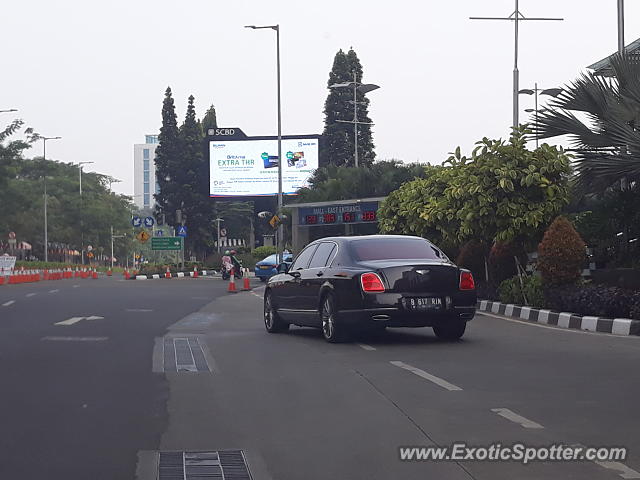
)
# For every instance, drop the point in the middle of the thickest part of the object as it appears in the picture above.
(510, 291)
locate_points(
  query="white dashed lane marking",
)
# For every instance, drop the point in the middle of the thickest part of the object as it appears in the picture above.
(427, 376)
(30, 294)
(54, 291)
(10, 302)
(364, 346)
(138, 310)
(515, 418)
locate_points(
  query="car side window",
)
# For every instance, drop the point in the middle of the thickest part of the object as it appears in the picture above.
(321, 256)
(302, 260)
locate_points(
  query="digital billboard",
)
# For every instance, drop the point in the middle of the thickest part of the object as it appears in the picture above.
(250, 167)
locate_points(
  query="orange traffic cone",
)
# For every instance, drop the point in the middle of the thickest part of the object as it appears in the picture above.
(167, 274)
(195, 271)
(246, 284)
(109, 273)
(232, 284)
(126, 274)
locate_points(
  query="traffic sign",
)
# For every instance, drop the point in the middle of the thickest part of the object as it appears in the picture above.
(143, 236)
(148, 222)
(223, 232)
(275, 220)
(166, 243)
(12, 235)
(181, 231)
(136, 221)
(159, 233)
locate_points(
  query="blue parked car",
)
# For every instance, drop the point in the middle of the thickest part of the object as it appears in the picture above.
(268, 267)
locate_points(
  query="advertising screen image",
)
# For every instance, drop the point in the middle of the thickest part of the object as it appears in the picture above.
(250, 167)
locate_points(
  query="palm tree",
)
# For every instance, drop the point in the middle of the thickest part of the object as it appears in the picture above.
(601, 116)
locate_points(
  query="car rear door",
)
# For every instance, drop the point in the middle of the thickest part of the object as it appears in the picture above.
(290, 292)
(313, 277)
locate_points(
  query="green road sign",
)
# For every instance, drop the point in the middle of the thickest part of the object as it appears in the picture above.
(166, 243)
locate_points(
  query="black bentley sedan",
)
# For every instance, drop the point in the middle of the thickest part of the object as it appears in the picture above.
(341, 284)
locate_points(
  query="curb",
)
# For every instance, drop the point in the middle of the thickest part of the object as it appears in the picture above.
(615, 326)
(155, 276)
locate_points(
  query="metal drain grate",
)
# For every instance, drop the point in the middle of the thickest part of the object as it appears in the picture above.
(186, 354)
(213, 465)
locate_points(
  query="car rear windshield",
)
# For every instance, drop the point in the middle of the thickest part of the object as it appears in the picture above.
(395, 249)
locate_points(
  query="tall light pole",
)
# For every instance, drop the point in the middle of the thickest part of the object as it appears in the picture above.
(80, 173)
(516, 17)
(9, 110)
(554, 92)
(362, 88)
(46, 226)
(620, 26)
(280, 233)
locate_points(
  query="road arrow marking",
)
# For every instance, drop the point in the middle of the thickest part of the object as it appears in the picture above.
(73, 320)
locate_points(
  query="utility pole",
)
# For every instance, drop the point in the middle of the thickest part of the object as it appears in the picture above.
(112, 237)
(516, 17)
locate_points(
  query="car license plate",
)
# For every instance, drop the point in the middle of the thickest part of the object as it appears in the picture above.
(265, 267)
(423, 303)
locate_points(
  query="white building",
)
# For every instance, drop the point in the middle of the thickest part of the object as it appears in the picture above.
(144, 172)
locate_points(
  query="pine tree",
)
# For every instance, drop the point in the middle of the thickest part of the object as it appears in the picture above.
(338, 141)
(209, 120)
(194, 195)
(168, 161)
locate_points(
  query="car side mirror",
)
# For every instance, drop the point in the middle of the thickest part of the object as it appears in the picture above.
(284, 267)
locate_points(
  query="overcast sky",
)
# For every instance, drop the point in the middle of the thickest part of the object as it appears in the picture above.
(95, 72)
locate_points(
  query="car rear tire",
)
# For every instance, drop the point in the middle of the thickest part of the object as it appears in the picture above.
(272, 321)
(332, 331)
(450, 331)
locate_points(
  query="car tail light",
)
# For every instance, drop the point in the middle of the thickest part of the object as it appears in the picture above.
(371, 282)
(466, 281)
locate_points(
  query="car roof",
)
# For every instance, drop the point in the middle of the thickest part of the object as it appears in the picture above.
(363, 237)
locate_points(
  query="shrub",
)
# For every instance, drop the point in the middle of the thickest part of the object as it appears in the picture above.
(511, 290)
(561, 254)
(502, 264)
(596, 300)
(262, 252)
(472, 256)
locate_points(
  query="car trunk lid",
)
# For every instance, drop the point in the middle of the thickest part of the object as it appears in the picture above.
(426, 277)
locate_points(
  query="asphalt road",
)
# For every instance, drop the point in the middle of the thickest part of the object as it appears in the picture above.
(297, 407)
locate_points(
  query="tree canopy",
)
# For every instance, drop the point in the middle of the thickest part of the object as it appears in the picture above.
(340, 183)
(601, 116)
(21, 197)
(501, 193)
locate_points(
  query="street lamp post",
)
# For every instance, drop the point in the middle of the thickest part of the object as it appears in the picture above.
(362, 88)
(553, 92)
(46, 226)
(516, 17)
(80, 174)
(280, 232)
(9, 110)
